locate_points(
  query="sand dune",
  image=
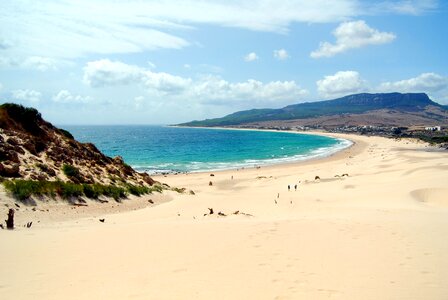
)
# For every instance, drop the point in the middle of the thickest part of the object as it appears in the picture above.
(378, 233)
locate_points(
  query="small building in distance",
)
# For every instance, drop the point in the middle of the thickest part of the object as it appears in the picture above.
(433, 128)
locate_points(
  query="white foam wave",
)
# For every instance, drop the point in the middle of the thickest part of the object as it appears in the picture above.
(196, 166)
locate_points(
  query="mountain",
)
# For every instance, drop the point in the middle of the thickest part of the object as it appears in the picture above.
(410, 103)
(33, 149)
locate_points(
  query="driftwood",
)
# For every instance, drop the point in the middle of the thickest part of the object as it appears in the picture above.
(210, 183)
(28, 225)
(102, 220)
(222, 214)
(150, 201)
(10, 220)
(316, 178)
(80, 204)
(211, 211)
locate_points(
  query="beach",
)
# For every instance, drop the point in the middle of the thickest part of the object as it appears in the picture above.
(374, 225)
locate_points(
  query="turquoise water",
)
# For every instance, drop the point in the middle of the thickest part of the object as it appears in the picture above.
(158, 149)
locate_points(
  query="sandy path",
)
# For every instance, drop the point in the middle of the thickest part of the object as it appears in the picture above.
(380, 233)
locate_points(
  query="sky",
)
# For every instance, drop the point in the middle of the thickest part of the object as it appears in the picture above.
(166, 62)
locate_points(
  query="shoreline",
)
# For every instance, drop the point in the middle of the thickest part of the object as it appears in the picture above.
(270, 162)
(377, 233)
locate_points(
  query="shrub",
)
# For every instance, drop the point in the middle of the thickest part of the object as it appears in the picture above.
(66, 133)
(115, 192)
(23, 189)
(70, 171)
(137, 190)
(69, 190)
(90, 191)
(155, 188)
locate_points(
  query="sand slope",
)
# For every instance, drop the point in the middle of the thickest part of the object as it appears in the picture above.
(380, 233)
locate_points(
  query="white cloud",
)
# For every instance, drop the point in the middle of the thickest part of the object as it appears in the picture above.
(206, 89)
(5, 44)
(251, 57)
(105, 72)
(281, 54)
(70, 29)
(65, 96)
(350, 35)
(340, 84)
(425, 82)
(39, 63)
(164, 82)
(26, 95)
(151, 65)
(215, 90)
(406, 7)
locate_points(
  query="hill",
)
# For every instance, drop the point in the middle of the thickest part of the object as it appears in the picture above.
(410, 104)
(34, 150)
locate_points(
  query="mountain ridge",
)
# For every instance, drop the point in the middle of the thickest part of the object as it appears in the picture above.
(408, 103)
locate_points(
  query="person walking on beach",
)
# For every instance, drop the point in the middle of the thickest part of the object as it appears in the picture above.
(289, 187)
(295, 187)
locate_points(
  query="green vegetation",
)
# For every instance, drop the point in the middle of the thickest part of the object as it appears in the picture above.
(26, 116)
(434, 139)
(138, 190)
(70, 171)
(178, 190)
(66, 133)
(23, 189)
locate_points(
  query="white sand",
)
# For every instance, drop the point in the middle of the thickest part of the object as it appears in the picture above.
(381, 233)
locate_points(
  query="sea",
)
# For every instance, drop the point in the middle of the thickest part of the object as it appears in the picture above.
(164, 149)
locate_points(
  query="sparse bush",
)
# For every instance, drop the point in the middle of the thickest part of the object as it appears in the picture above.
(24, 189)
(114, 191)
(69, 190)
(155, 188)
(137, 190)
(66, 133)
(179, 190)
(70, 171)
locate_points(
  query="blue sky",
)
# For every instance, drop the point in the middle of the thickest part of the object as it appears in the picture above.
(163, 62)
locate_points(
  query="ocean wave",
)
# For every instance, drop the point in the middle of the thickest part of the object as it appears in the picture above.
(197, 166)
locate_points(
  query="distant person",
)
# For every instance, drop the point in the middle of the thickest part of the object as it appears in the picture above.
(295, 187)
(289, 187)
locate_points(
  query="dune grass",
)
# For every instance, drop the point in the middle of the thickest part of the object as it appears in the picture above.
(24, 189)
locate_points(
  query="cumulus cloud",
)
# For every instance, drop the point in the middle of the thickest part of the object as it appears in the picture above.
(251, 57)
(65, 96)
(281, 54)
(340, 84)
(26, 95)
(213, 89)
(105, 72)
(350, 35)
(425, 82)
(206, 89)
